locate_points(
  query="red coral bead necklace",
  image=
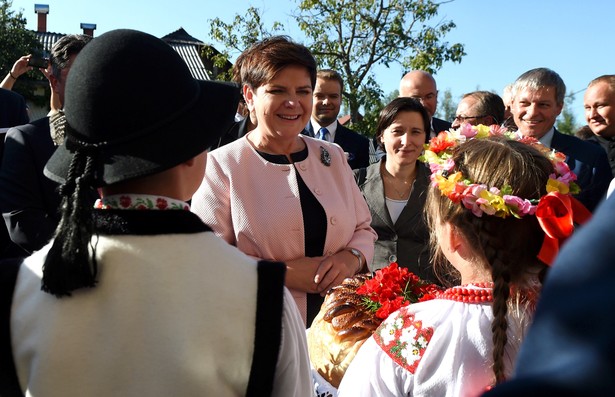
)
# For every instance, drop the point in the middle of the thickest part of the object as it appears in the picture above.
(469, 293)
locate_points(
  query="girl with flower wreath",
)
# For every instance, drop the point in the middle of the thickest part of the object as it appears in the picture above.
(487, 194)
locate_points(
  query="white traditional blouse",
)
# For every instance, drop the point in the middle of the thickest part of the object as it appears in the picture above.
(441, 347)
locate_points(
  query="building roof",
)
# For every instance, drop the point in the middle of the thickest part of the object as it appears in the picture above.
(188, 48)
(180, 36)
(48, 39)
(190, 55)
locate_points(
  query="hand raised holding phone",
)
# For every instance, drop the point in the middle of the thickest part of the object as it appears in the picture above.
(38, 62)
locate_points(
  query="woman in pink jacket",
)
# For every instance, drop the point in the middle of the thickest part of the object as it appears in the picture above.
(280, 195)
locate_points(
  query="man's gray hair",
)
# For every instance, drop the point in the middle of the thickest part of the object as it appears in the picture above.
(539, 78)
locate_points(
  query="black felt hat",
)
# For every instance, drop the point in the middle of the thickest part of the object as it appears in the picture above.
(132, 104)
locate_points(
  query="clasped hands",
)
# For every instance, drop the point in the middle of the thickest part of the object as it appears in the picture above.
(318, 275)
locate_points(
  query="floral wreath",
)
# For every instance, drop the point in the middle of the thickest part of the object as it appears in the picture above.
(555, 210)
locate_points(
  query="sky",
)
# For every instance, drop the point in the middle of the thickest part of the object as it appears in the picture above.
(502, 38)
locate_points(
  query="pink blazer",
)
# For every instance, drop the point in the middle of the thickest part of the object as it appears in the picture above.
(254, 204)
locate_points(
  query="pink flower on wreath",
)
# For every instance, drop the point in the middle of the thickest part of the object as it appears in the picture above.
(141, 207)
(161, 203)
(497, 130)
(566, 176)
(448, 165)
(524, 207)
(468, 130)
(481, 200)
(472, 203)
(125, 201)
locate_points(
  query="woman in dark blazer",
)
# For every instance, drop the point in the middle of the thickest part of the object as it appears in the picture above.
(395, 189)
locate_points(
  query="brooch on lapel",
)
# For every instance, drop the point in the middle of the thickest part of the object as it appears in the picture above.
(325, 157)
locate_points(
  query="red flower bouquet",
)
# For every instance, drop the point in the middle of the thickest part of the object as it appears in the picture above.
(393, 287)
(353, 310)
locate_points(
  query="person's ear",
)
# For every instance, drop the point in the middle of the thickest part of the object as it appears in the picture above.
(53, 82)
(559, 107)
(459, 244)
(248, 95)
(454, 238)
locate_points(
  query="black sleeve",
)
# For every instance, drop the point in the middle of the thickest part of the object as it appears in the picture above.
(268, 335)
(9, 384)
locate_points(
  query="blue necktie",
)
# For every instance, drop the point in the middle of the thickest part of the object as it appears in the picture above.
(323, 134)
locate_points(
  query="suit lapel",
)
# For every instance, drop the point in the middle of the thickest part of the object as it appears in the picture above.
(557, 142)
(340, 135)
(373, 192)
(310, 129)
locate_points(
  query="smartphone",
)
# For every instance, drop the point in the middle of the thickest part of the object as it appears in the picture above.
(38, 62)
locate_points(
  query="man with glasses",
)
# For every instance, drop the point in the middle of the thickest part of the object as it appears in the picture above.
(421, 85)
(479, 107)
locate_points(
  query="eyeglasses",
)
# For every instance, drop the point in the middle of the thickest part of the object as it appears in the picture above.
(463, 119)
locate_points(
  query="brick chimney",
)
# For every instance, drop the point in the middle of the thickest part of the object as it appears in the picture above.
(42, 10)
(88, 28)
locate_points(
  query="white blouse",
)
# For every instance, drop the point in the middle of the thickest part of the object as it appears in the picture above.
(435, 348)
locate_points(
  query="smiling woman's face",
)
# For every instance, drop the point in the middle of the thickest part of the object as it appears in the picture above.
(403, 140)
(284, 104)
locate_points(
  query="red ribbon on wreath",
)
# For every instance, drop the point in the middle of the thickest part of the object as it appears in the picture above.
(557, 213)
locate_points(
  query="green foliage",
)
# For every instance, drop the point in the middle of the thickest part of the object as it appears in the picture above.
(372, 104)
(566, 122)
(446, 106)
(353, 36)
(368, 123)
(245, 30)
(16, 41)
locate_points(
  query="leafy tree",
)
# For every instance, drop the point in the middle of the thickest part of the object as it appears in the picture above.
(16, 41)
(392, 95)
(353, 36)
(244, 31)
(369, 121)
(446, 106)
(566, 122)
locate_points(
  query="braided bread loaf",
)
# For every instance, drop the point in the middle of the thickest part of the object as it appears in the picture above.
(339, 329)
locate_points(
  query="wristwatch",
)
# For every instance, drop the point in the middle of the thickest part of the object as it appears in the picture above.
(356, 253)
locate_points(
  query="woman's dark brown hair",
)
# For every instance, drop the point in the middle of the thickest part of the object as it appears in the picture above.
(397, 106)
(261, 62)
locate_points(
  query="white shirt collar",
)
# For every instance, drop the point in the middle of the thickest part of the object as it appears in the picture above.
(548, 137)
(331, 128)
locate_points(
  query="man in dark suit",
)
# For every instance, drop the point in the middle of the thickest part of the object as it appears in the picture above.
(421, 85)
(538, 98)
(599, 102)
(28, 200)
(325, 108)
(13, 110)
